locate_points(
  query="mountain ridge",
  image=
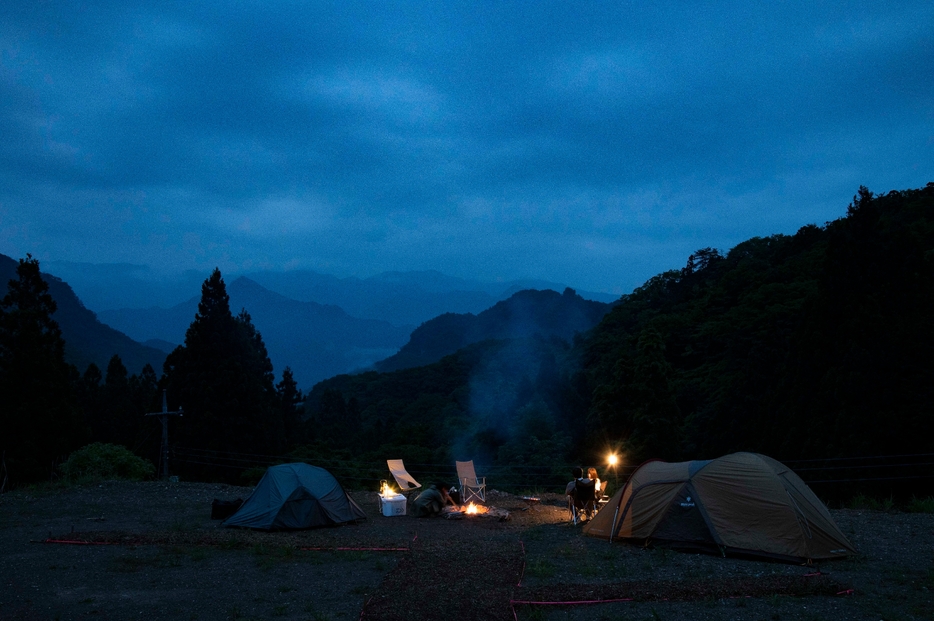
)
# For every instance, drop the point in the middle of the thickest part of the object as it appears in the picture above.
(87, 339)
(527, 313)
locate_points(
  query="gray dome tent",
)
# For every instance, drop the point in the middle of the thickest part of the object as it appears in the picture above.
(744, 503)
(296, 496)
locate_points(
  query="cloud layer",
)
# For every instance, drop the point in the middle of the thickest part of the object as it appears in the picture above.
(595, 144)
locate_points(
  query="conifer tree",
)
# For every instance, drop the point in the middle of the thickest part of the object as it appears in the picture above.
(223, 379)
(39, 418)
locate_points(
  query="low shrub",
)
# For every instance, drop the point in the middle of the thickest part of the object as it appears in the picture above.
(864, 502)
(920, 505)
(101, 462)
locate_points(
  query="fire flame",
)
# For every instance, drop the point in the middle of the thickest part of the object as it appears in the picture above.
(387, 491)
(471, 509)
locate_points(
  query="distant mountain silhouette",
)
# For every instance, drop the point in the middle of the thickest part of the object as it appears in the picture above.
(316, 340)
(87, 340)
(526, 314)
(401, 298)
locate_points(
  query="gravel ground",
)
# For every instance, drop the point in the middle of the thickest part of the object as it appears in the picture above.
(155, 554)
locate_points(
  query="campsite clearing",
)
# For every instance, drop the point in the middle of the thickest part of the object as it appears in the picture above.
(152, 552)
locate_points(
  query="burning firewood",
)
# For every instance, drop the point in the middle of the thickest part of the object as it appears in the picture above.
(476, 511)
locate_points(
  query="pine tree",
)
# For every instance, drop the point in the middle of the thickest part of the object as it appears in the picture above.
(39, 418)
(223, 379)
(290, 400)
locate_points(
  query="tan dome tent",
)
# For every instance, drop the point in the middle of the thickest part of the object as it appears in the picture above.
(744, 504)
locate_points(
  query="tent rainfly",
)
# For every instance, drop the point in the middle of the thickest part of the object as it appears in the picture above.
(296, 496)
(740, 504)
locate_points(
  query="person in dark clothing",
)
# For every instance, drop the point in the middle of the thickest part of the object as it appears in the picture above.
(432, 501)
(578, 474)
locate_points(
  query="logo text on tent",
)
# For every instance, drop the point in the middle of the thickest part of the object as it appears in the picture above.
(687, 502)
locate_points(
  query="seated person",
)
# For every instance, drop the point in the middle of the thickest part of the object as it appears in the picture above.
(578, 474)
(598, 484)
(581, 492)
(432, 501)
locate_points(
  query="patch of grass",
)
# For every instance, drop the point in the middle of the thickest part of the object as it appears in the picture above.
(896, 575)
(533, 534)
(920, 505)
(864, 502)
(360, 589)
(535, 614)
(280, 610)
(589, 569)
(234, 613)
(87, 600)
(180, 526)
(130, 564)
(286, 588)
(380, 565)
(197, 554)
(357, 555)
(540, 568)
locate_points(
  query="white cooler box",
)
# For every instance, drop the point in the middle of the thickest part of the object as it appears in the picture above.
(394, 505)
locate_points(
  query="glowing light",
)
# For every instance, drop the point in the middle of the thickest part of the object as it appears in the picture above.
(612, 459)
(471, 509)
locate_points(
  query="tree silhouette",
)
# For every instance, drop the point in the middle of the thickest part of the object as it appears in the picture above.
(223, 379)
(39, 418)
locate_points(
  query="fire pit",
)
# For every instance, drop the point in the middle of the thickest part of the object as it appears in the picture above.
(475, 511)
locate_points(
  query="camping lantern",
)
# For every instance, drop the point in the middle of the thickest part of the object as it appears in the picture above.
(612, 460)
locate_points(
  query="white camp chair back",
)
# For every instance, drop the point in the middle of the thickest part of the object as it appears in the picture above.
(404, 480)
(471, 485)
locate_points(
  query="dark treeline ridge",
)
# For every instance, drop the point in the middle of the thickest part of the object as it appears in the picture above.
(803, 346)
(807, 346)
(222, 374)
(813, 346)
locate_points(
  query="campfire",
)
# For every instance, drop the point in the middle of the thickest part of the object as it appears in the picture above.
(474, 510)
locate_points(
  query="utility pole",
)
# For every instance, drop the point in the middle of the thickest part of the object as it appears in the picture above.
(164, 417)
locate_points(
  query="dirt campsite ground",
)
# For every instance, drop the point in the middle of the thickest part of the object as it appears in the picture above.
(153, 552)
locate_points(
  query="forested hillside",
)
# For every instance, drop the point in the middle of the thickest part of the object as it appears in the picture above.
(525, 314)
(87, 340)
(799, 346)
(814, 344)
(316, 341)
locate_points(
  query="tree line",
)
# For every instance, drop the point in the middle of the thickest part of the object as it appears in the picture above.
(222, 374)
(812, 345)
(798, 346)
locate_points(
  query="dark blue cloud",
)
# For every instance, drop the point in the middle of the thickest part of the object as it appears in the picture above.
(594, 144)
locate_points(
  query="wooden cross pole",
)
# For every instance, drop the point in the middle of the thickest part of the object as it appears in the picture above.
(164, 417)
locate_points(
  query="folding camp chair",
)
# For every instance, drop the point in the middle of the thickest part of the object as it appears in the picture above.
(404, 480)
(582, 502)
(471, 485)
(602, 497)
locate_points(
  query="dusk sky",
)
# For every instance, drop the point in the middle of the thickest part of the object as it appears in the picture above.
(590, 143)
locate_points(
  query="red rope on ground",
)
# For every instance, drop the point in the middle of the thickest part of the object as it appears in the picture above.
(521, 571)
(354, 549)
(79, 542)
(845, 592)
(513, 602)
